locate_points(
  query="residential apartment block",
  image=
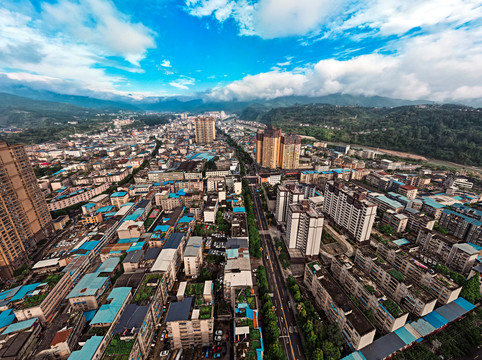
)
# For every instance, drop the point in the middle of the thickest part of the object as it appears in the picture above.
(285, 196)
(409, 295)
(304, 227)
(24, 215)
(447, 250)
(190, 322)
(205, 130)
(350, 209)
(338, 307)
(368, 295)
(193, 256)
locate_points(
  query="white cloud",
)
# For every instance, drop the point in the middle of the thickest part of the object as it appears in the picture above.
(166, 63)
(98, 22)
(441, 67)
(183, 82)
(330, 18)
(38, 50)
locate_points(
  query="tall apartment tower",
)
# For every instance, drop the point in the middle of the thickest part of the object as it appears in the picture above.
(205, 130)
(290, 151)
(24, 215)
(350, 210)
(259, 146)
(274, 150)
(285, 196)
(304, 227)
(271, 147)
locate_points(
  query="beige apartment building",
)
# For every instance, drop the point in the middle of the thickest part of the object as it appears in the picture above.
(190, 322)
(290, 151)
(367, 294)
(274, 150)
(410, 262)
(46, 308)
(205, 130)
(410, 295)
(350, 209)
(338, 307)
(193, 256)
(447, 250)
(24, 216)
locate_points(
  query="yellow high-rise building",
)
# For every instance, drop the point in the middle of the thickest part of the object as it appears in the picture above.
(24, 215)
(205, 130)
(290, 151)
(273, 150)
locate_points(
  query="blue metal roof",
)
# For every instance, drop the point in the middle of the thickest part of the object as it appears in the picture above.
(89, 315)
(88, 285)
(21, 325)
(405, 335)
(6, 318)
(88, 350)
(107, 312)
(23, 291)
(435, 319)
(464, 304)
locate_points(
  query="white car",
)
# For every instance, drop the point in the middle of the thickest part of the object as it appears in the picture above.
(218, 338)
(164, 353)
(219, 333)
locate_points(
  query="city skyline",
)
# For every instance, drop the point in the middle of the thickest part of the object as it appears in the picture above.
(240, 50)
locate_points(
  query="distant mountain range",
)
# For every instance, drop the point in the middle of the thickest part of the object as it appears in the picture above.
(193, 104)
(22, 106)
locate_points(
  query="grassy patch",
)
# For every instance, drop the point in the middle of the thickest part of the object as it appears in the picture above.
(119, 347)
(205, 312)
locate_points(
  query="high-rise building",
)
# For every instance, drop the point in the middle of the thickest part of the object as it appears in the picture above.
(304, 226)
(349, 209)
(290, 151)
(24, 216)
(274, 150)
(285, 196)
(205, 130)
(271, 147)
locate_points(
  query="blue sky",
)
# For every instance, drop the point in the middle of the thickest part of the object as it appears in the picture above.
(246, 49)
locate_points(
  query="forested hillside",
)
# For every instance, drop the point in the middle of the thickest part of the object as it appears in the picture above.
(18, 111)
(447, 132)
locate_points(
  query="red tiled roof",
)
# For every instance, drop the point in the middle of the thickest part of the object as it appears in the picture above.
(60, 337)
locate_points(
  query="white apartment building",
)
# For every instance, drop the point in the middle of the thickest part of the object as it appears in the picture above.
(350, 210)
(286, 195)
(304, 229)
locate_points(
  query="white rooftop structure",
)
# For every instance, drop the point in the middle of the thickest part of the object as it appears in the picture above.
(164, 260)
(46, 263)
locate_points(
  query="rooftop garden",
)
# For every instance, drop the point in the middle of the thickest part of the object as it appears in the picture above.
(205, 312)
(145, 291)
(392, 308)
(396, 274)
(312, 266)
(194, 289)
(32, 301)
(119, 347)
(370, 289)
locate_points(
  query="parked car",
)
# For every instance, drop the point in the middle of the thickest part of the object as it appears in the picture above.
(164, 353)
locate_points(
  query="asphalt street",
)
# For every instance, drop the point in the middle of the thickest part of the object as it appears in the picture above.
(289, 336)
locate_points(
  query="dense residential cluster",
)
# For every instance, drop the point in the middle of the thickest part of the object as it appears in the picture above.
(213, 237)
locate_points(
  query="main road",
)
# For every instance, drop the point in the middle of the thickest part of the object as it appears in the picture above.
(289, 336)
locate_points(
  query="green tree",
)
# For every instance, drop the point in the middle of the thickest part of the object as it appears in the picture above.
(471, 289)
(317, 354)
(275, 352)
(330, 351)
